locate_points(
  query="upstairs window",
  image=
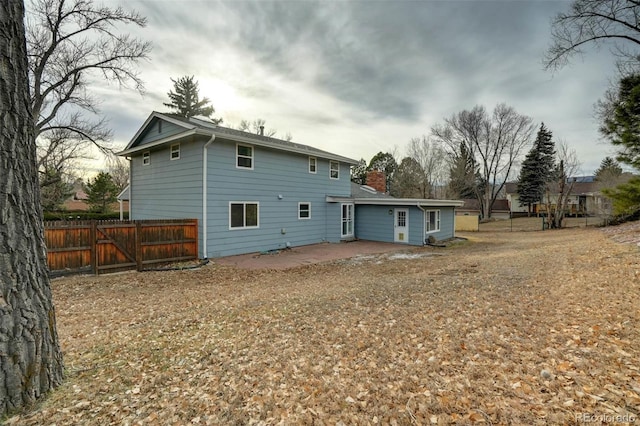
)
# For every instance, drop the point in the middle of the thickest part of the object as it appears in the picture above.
(146, 158)
(334, 170)
(304, 210)
(175, 151)
(313, 165)
(244, 156)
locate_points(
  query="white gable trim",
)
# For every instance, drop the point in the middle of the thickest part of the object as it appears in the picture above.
(159, 116)
(162, 141)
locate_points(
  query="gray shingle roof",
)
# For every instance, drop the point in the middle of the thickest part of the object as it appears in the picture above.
(363, 191)
(266, 140)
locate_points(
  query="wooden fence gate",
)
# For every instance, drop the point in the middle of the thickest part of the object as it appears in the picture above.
(100, 247)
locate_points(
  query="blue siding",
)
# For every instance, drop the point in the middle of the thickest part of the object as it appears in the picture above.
(447, 225)
(168, 189)
(374, 223)
(274, 174)
(154, 132)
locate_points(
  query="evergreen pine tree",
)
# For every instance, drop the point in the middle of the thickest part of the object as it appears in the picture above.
(384, 162)
(621, 116)
(101, 192)
(537, 169)
(359, 172)
(407, 178)
(186, 100)
(608, 168)
(463, 173)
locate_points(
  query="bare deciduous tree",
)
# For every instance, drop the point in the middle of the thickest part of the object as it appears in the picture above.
(118, 168)
(256, 126)
(69, 42)
(596, 22)
(495, 141)
(567, 166)
(432, 159)
(30, 356)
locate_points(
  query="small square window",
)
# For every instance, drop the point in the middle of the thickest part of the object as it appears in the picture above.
(175, 151)
(304, 210)
(313, 165)
(244, 156)
(146, 158)
(334, 171)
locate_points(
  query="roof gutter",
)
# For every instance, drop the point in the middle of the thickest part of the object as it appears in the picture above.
(165, 140)
(204, 195)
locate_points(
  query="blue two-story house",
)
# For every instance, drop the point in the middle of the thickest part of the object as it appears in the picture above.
(254, 193)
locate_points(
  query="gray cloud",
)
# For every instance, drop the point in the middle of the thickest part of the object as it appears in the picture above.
(400, 64)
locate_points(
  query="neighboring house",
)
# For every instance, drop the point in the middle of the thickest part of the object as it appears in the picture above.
(254, 193)
(585, 199)
(471, 207)
(123, 202)
(78, 200)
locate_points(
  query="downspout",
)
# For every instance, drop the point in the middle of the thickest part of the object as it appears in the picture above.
(424, 230)
(204, 195)
(130, 159)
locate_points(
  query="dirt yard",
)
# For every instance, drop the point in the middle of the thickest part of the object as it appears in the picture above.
(506, 328)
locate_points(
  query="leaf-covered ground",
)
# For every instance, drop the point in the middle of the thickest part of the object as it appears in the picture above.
(507, 328)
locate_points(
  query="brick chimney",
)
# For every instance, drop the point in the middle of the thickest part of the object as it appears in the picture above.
(377, 180)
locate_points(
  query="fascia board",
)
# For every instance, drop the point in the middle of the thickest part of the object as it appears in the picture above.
(148, 121)
(163, 141)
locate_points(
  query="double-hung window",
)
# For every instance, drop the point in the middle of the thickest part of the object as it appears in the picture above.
(146, 158)
(334, 170)
(313, 165)
(175, 151)
(243, 214)
(304, 210)
(244, 156)
(432, 221)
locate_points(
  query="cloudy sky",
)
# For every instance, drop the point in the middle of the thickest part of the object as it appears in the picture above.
(358, 77)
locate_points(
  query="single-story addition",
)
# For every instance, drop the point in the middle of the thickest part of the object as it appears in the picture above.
(380, 217)
(253, 193)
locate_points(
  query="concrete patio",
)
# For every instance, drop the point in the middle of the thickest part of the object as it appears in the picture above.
(306, 255)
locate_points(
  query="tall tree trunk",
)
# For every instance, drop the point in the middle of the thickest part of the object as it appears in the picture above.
(30, 357)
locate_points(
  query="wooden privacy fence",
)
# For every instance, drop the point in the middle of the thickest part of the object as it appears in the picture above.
(100, 247)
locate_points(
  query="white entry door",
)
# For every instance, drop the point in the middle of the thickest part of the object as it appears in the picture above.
(401, 226)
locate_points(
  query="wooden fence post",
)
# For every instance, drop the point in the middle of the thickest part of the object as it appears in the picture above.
(139, 246)
(94, 248)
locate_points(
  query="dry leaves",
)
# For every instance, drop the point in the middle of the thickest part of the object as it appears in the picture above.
(509, 328)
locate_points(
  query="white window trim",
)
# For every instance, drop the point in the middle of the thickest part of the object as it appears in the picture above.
(426, 220)
(244, 156)
(307, 203)
(172, 150)
(315, 165)
(342, 220)
(244, 203)
(146, 156)
(331, 162)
